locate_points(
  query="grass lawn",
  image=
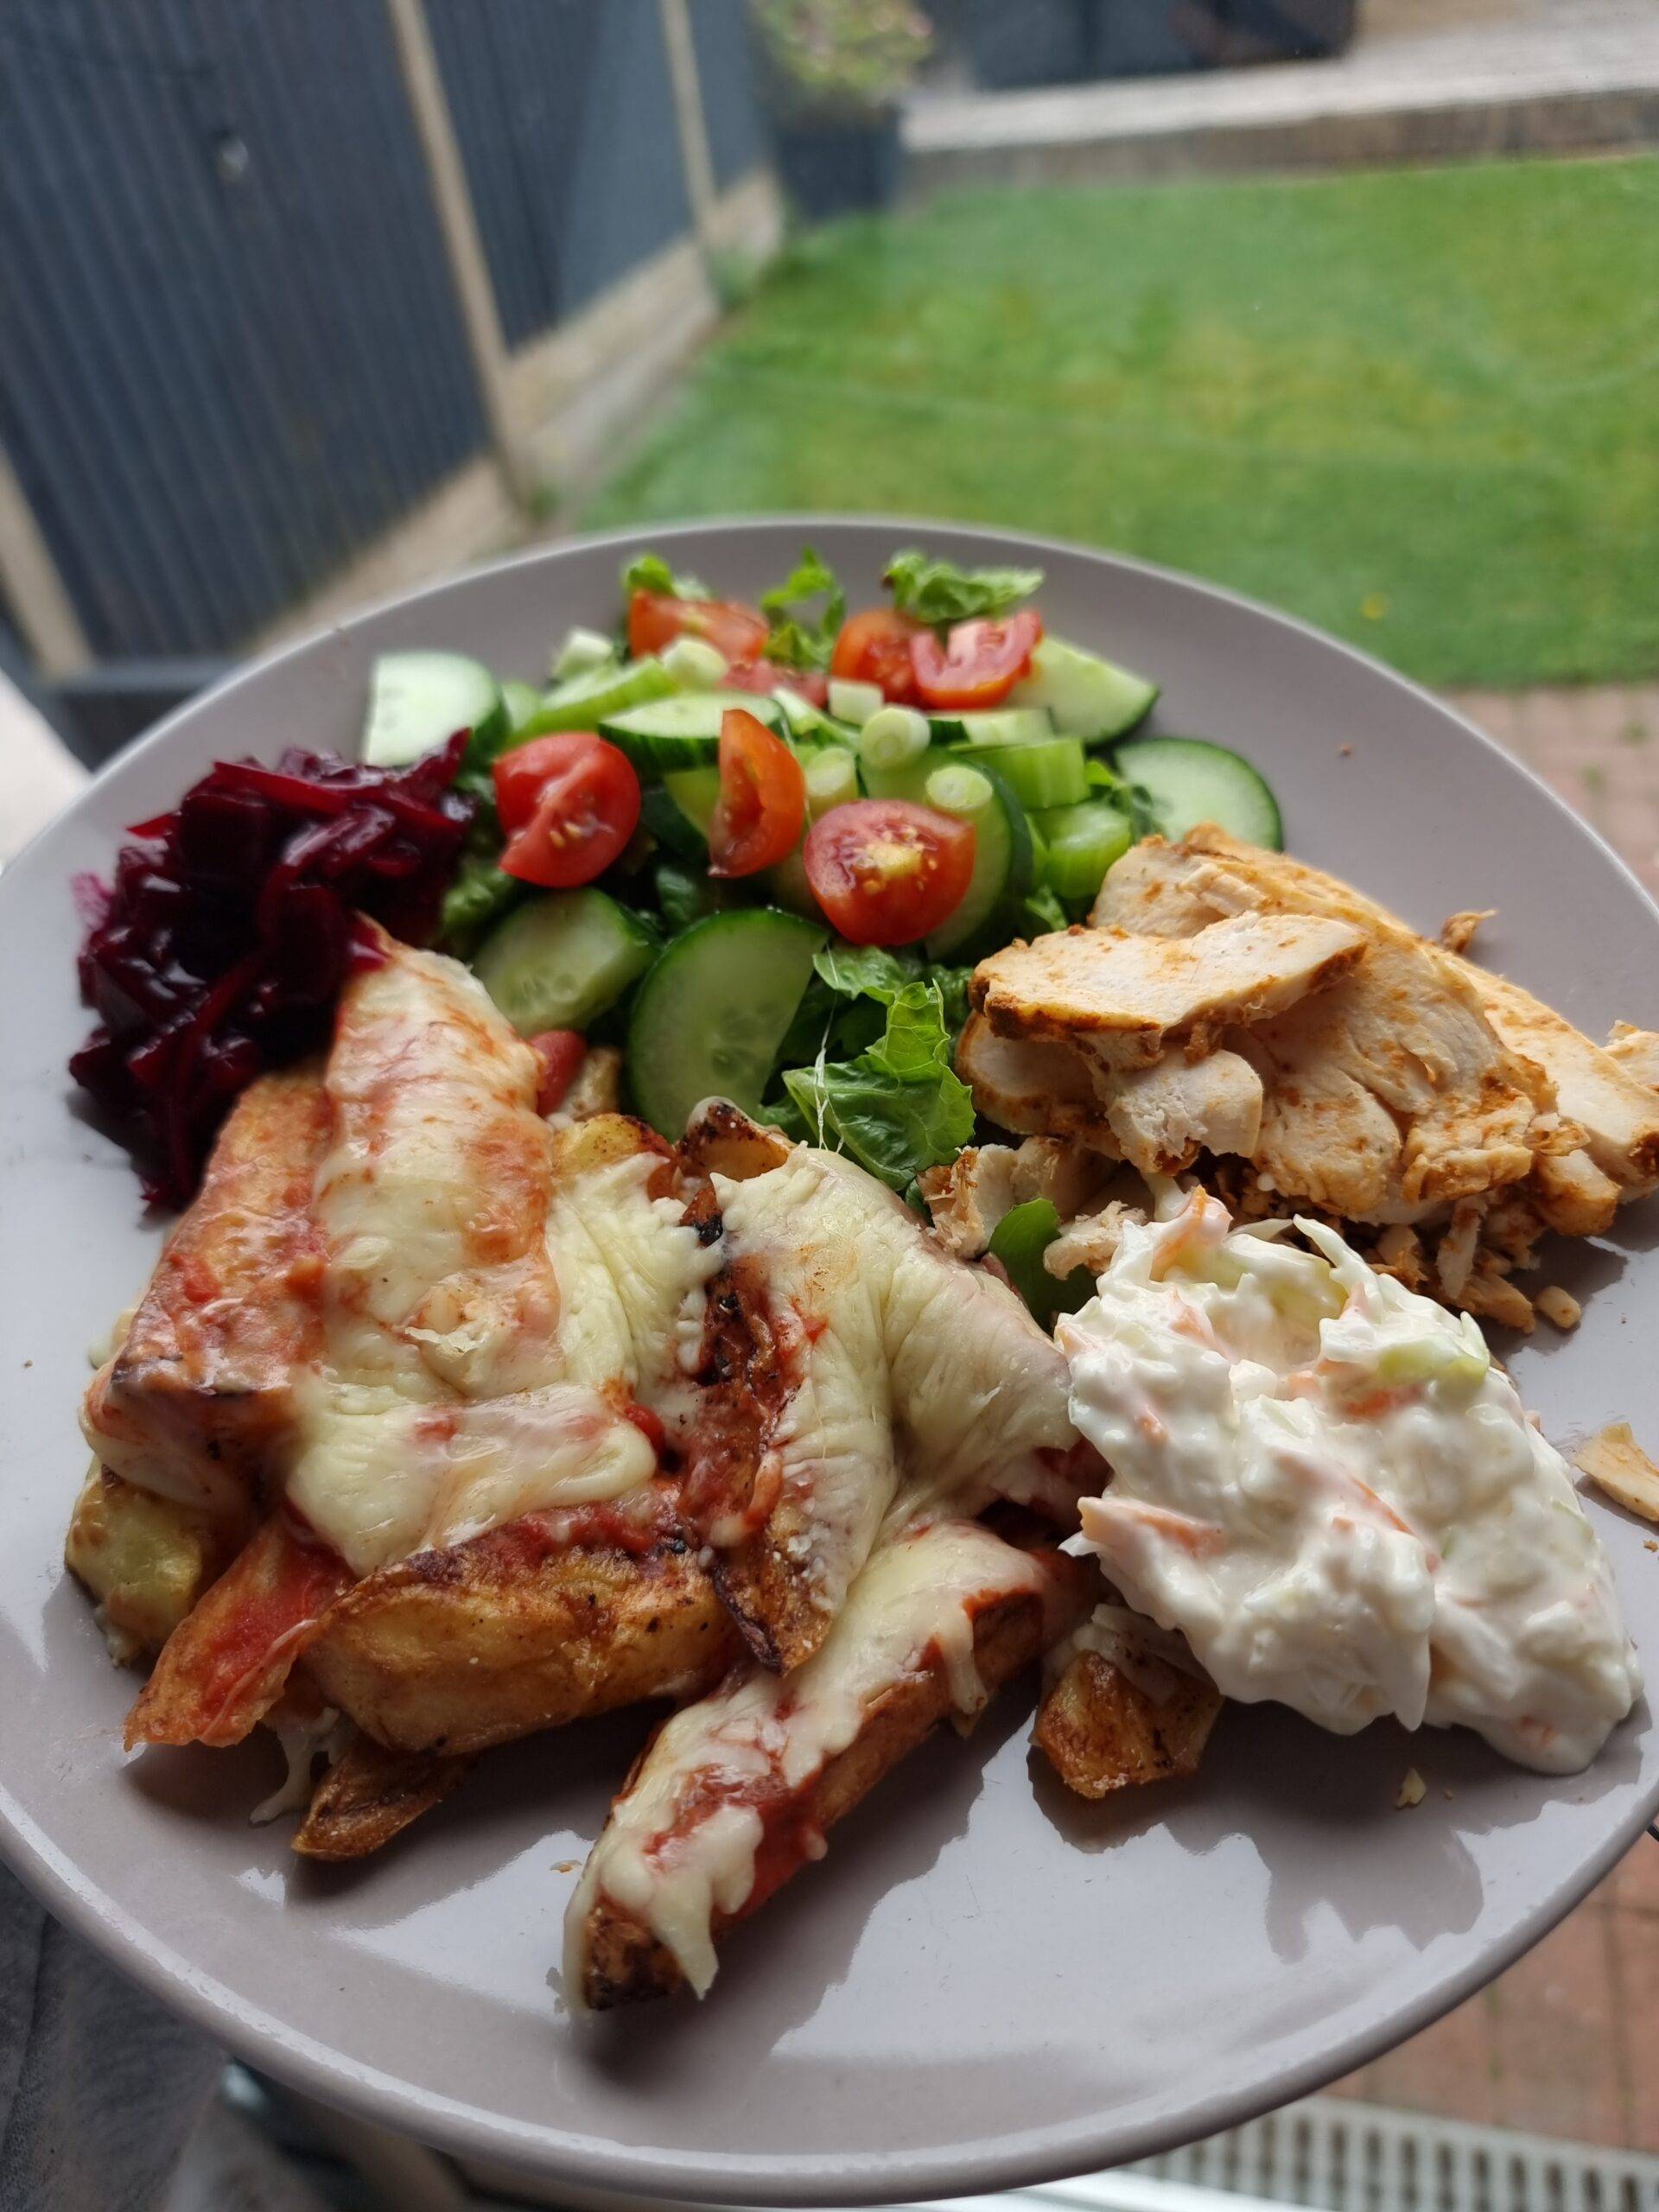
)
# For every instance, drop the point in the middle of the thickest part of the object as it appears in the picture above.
(1420, 407)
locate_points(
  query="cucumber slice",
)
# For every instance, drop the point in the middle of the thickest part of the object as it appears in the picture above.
(1010, 725)
(584, 701)
(1088, 697)
(417, 700)
(1051, 771)
(683, 732)
(663, 819)
(1002, 862)
(708, 1019)
(522, 700)
(1080, 843)
(696, 792)
(1190, 781)
(560, 961)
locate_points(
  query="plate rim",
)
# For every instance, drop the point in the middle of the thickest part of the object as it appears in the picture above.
(300, 2060)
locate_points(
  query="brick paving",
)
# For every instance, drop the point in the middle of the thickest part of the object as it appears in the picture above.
(1566, 2044)
(1598, 745)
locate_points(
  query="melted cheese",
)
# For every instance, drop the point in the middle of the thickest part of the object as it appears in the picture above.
(911, 1368)
(493, 1295)
(762, 1736)
(383, 1478)
(632, 1276)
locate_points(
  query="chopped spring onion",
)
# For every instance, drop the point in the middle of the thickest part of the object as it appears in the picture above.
(854, 702)
(831, 779)
(582, 651)
(893, 737)
(959, 789)
(695, 664)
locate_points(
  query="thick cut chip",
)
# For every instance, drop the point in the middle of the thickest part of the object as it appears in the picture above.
(1122, 1708)
(552, 1619)
(735, 1794)
(850, 1355)
(146, 1559)
(199, 1393)
(228, 1661)
(369, 1795)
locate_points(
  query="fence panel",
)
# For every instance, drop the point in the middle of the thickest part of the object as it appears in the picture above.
(565, 114)
(230, 353)
(731, 101)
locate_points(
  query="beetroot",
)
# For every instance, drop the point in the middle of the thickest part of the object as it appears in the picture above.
(221, 946)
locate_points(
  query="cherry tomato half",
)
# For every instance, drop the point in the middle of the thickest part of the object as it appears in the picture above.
(886, 871)
(873, 647)
(769, 675)
(655, 621)
(569, 802)
(979, 663)
(762, 807)
(559, 1055)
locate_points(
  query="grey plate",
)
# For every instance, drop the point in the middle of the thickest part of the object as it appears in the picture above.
(986, 1984)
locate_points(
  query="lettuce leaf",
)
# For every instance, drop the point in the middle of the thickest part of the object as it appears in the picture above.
(899, 1106)
(937, 592)
(798, 639)
(650, 572)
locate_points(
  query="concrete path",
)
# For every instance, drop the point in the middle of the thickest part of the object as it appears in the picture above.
(1574, 75)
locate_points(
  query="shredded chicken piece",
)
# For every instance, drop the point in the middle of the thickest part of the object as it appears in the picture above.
(1616, 1462)
(968, 1198)
(1558, 1307)
(1490, 1297)
(1399, 1252)
(1091, 1240)
(1457, 931)
(1455, 1256)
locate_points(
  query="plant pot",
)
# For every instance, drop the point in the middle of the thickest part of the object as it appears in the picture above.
(836, 166)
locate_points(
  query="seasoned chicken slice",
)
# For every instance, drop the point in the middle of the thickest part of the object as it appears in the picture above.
(1386, 1097)
(849, 1353)
(1637, 1052)
(734, 1795)
(1163, 1116)
(1032, 1086)
(1128, 998)
(199, 1394)
(1598, 1088)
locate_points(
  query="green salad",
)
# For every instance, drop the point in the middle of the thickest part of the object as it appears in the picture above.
(758, 846)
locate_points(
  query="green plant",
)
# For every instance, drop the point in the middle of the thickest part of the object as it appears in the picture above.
(845, 57)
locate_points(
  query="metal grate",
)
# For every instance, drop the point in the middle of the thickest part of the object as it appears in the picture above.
(1340, 2156)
